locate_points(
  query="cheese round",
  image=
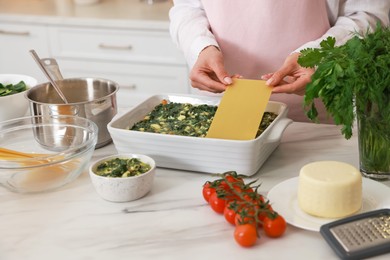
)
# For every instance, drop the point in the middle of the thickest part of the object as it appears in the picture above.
(330, 189)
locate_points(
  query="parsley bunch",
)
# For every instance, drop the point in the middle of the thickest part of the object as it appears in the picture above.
(352, 76)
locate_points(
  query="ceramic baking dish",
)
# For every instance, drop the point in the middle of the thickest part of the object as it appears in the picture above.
(199, 154)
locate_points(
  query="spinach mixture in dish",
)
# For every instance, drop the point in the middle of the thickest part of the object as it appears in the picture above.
(122, 168)
(186, 119)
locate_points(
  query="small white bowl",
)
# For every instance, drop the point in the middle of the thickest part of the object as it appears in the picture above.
(15, 105)
(119, 189)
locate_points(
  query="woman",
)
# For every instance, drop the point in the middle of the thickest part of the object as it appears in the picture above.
(261, 39)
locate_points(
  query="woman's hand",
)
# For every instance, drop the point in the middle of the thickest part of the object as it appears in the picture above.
(290, 78)
(209, 72)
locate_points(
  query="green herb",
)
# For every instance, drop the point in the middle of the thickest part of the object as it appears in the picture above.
(9, 89)
(122, 168)
(355, 75)
(353, 81)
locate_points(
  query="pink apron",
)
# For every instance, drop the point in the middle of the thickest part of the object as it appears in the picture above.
(255, 37)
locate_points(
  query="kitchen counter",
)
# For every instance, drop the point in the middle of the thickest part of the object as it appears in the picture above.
(172, 221)
(105, 14)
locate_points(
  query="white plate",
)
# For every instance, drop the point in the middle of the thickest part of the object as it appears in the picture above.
(283, 198)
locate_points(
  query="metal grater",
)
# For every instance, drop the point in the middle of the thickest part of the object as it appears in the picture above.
(363, 233)
(359, 236)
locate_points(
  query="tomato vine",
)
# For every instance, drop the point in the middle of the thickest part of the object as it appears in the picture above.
(242, 205)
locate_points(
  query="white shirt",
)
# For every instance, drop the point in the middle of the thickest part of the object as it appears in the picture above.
(256, 38)
(189, 26)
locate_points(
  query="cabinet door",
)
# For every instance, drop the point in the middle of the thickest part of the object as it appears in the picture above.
(143, 45)
(135, 80)
(142, 61)
(15, 42)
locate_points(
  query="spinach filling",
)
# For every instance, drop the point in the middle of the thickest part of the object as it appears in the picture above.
(122, 168)
(186, 119)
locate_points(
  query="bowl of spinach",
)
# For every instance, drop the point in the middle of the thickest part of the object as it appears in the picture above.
(13, 103)
(123, 177)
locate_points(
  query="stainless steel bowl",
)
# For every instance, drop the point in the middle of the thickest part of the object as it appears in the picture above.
(90, 98)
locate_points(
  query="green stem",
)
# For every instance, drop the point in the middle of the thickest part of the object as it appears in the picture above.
(374, 143)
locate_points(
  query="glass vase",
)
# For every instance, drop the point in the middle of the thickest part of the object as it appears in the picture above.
(374, 143)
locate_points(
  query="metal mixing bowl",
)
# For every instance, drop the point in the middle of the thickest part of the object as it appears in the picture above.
(36, 167)
(91, 98)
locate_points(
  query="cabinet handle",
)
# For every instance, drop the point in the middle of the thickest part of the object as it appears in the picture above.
(23, 33)
(115, 47)
(131, 86)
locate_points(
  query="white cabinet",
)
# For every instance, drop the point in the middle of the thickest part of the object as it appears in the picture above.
(135, 80)
(16, 39)
(145, 46)
(141, 61)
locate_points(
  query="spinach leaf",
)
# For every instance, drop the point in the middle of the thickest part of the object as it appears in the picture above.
(9, 89)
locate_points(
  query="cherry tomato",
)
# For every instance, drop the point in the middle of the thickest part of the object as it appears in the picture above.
(232, 179)
(230, 215)
(231, 196)
(261, 217)
(266, 210)
(245, 235)
(230, 212)
(217, 204)
(250, 198)
(207, 191)
(274, 227)
(224, 186)
(241, 191)
(245, 216)
(230, 182)
(261, 199)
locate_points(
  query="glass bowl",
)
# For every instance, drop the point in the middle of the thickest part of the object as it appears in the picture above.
(44, 153)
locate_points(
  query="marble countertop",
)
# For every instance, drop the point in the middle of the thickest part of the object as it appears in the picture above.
(106, 13)
(172, 221)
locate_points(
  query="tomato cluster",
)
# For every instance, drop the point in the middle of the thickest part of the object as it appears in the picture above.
(243, 207)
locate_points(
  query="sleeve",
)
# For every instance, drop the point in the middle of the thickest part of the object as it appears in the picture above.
(353, 16)
(190, 29)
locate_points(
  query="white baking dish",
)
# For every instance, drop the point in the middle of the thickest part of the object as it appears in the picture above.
(196, 153)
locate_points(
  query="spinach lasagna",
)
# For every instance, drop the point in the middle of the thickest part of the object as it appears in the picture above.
(185, 119)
